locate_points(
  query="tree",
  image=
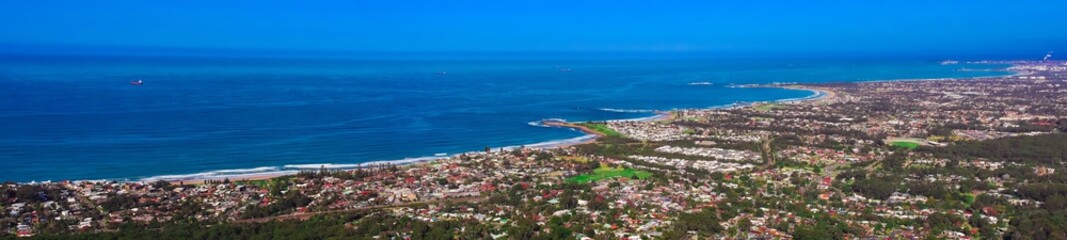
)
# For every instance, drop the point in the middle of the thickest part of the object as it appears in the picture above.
(976, 220)
(593, 164)
(990, 232)
(744, 225)
(1055, 202)
(522, 228)
(704, 223)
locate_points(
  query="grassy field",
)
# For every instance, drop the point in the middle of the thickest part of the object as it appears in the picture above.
(603, 129)
(605, 172)
(767, 107)
(905, 144)
(968, 198)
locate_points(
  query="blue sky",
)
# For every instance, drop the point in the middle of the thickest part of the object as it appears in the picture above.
(874, 27)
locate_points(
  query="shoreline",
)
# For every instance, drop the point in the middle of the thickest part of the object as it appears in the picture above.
(590, 137)
(265, 173)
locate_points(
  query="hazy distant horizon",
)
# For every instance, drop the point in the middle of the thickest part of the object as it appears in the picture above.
(143, 51)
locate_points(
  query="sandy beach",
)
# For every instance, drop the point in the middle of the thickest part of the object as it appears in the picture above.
(822, 94)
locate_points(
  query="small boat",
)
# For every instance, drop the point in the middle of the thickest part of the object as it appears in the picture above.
(700, 83)
(137, 82)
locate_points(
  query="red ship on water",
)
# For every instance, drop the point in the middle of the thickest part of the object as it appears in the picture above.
(137, 82)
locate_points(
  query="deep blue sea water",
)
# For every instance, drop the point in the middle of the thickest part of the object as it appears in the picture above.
(79, 118)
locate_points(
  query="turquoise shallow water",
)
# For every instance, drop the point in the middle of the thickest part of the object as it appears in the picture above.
(79, 118)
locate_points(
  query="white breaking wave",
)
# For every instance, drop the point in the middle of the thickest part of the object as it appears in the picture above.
(247, 170)
(626, 110)
(537, 124)
(219, 174)
(288, 169)
(640, 119)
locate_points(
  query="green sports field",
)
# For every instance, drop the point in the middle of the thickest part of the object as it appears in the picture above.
(603, 129)
(605, 172)
(905, 144)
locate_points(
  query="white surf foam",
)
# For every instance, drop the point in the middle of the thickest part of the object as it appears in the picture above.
(218, 174)
(626, 110)
(537, 124)
(288, 169)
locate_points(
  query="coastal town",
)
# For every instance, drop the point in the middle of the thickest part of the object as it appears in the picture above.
(979, 158)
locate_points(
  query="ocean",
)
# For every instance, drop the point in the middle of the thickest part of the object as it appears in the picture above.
(77, 118)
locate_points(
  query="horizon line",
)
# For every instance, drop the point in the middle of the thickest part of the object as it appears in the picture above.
(11, 49)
